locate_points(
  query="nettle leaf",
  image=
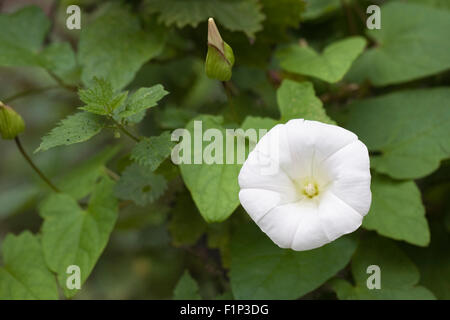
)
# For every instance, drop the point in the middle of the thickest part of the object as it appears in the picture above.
(141, 100)
(397, 57)
(186, 226)
(398, 275)
(153, 151)
(298, 100)
(214, 187)
(235, 15)
(24, 274)
(140, 185)
(397, 211)
(76, 128)
(330, 66)
(80, 181)
(100, 97)
(409, 129)
(114, 47)
(74, 236)
(186, 289)
(261, 270)
(22, 35)
(318, 8)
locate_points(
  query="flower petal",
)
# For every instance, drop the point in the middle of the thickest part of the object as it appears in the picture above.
(349, 171)
(337, 217)
(294, 225)
(257, 202)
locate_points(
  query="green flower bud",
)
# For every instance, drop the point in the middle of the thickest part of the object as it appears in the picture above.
(220, 57)
(11, 123)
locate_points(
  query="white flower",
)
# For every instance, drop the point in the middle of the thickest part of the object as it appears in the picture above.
(317, 188)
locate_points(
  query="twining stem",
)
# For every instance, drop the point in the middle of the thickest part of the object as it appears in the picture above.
(124, 130)
(35, 168)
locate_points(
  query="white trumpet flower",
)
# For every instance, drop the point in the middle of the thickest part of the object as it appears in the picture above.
(317, 188)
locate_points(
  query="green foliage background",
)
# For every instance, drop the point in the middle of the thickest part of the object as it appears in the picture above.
(99, 105)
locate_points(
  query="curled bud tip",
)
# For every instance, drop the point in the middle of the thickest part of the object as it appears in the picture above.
(220, 57)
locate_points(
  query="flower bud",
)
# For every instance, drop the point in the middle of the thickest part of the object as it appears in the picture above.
(220, 57)
(11, 123)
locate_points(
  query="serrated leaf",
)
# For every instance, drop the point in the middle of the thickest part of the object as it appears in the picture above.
(262, 270)
(214, 187)
(140, 185)
(408, 130)
(298, 100)
(330, 66)
(235, 15)
(76, 128)
(24, 274)
(397, 56)
(73, 236)
(151, 152)
(397, 211)
(114, 47)
(398, 275)
(141, 100)
(100, 97)
(186, 289)
(22, 35)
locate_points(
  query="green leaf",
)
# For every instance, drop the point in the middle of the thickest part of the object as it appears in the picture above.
(74, 236)
(398, 275)
(261, 270)
(100, 97)
(141, 100)
(258, 123)
(24, 274)
(214, 187)
(76, 128)
(298, 100)
(186, 289)
(59, 58)
(397, 211)
(397, 57)
(22, 35)
(434, 262)
(409, 129)
(186, 225)
(318, 8)
(281, 14)
(140, 185)
(330, 66)
(80, 181)
(153, 151)
(235, 15)
(441, 4)
(114, 47)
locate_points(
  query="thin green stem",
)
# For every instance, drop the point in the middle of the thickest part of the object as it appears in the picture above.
(124, 130)
(28, 92)
(61, 82)
(229, 93)
(31, 163)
